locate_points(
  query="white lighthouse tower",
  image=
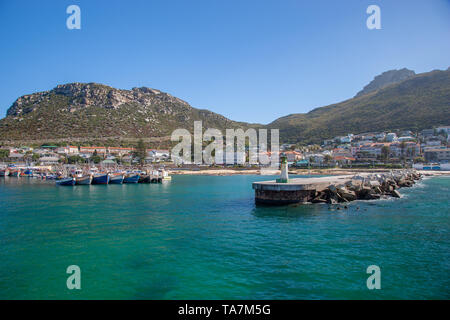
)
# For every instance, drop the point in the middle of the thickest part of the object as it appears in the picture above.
(284, 177)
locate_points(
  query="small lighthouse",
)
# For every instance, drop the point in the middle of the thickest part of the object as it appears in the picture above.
(284, 178)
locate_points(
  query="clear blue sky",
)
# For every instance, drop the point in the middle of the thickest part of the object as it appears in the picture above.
(250, 60)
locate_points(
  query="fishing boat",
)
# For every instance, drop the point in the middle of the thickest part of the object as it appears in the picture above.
(154, 175)
(100, 178)
(131, 178)
(116, 179)
(144, 178)
(4, 172)
(14, 173)
(84, 180)
(27, 173)
(78, 173)
(66, 182)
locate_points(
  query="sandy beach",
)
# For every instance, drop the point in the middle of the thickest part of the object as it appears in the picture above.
(334, 171)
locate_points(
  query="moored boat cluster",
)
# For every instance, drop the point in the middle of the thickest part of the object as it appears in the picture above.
(370, 187)
(91, 176)
(114, 178)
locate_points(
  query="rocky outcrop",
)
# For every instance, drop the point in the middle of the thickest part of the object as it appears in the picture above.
(94, 111)
(386, 78)
(371, 187)
(82, 95)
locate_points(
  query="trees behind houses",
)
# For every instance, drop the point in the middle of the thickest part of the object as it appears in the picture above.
(141, 151)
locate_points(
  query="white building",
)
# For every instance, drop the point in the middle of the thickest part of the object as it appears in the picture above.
(445, 129)
(25, 149)
(406, 138)
(430, 143)
(62, 150)
(316, 158)
(45, 161)
(157, 155)
(391, 137)
(345, 139)
(73, 150)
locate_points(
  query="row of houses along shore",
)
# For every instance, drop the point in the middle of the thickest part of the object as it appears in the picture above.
(49, 155)
(401, 147)
(426, 146)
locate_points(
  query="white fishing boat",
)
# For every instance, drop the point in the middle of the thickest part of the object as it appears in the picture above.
(116, 178)
(84, 180)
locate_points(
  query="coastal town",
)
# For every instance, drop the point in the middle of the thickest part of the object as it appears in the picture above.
(397, 149)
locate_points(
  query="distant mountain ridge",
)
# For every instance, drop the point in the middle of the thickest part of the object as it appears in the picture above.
(419, 102)
(386, 78)
(92, 112)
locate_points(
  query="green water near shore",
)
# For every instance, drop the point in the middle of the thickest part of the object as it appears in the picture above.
(202, 237)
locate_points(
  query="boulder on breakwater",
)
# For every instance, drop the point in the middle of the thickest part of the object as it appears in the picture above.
(369, 187)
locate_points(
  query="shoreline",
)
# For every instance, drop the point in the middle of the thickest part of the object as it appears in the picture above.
(264, 172)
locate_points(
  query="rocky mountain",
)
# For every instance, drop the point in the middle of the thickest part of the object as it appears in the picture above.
(95, 111)
(420, 102)
(386, 78)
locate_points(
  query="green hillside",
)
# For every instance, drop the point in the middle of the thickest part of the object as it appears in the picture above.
(420, 102)
(93, 112)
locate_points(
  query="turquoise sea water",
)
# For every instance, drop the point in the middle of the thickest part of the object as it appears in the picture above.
(202, 237)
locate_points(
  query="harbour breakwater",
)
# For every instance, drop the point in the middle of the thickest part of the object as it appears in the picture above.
(371, 187)
(336, 189)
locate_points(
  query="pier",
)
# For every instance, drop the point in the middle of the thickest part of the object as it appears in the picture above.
(297, 190)
(334, 189)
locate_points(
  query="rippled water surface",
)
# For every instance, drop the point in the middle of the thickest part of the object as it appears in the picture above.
(202, 237)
